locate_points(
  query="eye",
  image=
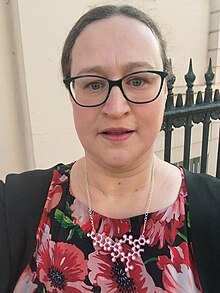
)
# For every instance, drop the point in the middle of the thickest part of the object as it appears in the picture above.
(95, 86)
(136, 82)
(140, 81)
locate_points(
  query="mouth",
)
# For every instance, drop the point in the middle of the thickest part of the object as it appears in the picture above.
(116, 134)
(116, 131)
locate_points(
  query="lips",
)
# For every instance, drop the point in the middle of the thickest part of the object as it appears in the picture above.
(116, 131)
(116, 134)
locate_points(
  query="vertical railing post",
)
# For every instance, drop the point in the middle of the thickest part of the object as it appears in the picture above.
(216, 115)
(202, 108)
(209, 76)
(168, 121)
(189, 78)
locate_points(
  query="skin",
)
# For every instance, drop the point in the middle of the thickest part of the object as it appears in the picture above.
(113, 48)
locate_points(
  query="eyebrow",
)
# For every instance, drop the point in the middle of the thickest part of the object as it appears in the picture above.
(128, 66)
(143, 64)
(91, 69)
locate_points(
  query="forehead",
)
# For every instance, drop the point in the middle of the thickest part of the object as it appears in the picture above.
(115, 42)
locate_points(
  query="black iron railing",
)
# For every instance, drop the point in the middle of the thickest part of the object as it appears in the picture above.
(186, 110)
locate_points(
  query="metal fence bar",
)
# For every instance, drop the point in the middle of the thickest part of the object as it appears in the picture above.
(189, 78)
(169, 125)
(209, 76)
(187, 142)
(168, 138)
(188, 113)
(205, 140)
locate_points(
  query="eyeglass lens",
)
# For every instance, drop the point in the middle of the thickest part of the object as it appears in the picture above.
(140, 87)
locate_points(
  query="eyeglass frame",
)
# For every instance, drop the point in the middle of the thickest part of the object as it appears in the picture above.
(118, 83)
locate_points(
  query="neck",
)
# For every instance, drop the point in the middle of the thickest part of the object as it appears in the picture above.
(122, 183)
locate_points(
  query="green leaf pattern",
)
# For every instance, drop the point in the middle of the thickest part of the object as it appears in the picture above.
(68, 223)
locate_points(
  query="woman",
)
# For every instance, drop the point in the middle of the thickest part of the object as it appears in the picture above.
(119, 219)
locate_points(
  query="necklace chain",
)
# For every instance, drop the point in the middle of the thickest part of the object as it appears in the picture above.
(149, 198)
(115, 247)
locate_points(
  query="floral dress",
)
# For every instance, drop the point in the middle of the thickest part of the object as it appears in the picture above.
(66, 261)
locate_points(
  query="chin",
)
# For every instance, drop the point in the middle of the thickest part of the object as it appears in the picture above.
(119, 161)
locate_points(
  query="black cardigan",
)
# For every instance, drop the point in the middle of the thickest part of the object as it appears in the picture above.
(22, 199)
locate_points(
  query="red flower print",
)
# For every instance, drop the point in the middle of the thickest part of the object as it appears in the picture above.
(55, 191)
(43, 235)
(111, 227)
(111, 276)
(163, 225)
(80, 216)
(178, 275)
(61, 267)
(25, 282)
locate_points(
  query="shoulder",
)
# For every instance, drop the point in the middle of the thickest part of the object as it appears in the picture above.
(34, 178)
(22, 198)
(204, 205)
(25, 179)
(202, 183)
(204, 195)
(25, 193)
(26, 186)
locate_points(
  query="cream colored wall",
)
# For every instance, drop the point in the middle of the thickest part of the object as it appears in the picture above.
(214, 38)
(15, 133)
(38, 130)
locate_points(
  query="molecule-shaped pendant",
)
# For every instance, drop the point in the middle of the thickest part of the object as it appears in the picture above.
(115, 247)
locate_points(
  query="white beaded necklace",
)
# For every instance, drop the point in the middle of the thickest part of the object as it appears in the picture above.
(115, 247)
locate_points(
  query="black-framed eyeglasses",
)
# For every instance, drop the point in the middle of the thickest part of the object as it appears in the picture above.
(138, 87)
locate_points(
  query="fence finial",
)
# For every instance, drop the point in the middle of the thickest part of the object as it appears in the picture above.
(190, 78)
(170, 84)
(217, 95)
(209, 76)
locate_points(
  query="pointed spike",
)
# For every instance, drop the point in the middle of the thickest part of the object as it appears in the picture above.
(216, 95)
(169, 102)
(170, 84)
(171, 77)
(209, 75)
(199, 98)
(190, 65)
(179, 101)
(190, 76)
(210, 63)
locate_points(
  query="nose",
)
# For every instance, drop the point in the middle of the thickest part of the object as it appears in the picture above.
(116, 105)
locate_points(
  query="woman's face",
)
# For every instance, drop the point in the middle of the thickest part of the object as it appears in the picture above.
(117, 135)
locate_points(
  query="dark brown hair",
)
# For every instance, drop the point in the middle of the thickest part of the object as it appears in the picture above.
(103, 12)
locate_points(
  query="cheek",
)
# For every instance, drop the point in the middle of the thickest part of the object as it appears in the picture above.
(152, 114)
(80, 123)
(159, 108)
(84, 120)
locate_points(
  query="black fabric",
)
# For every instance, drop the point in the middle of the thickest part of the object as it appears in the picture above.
(204, 205)
(25, 195)
(4, 251)
(21, 203)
